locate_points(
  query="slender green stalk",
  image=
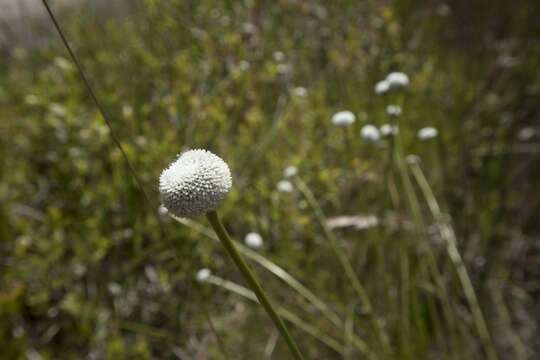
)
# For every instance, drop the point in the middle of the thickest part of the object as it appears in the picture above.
(286, 314)
(344, 262)
(449, 236)
(275, 270)
(253, 283)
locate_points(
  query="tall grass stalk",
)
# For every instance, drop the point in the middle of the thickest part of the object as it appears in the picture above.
(345, 263)
(448, 235)
(249, 276)
(289, 316)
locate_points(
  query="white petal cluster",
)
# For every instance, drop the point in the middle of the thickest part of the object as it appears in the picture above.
(394, 80)
(285, 186)
(382, 87)
(427, 133)
(394, 110)
(290, 171)
(397, 80)
(370, 133)
(343, 118)
(388, 130)
(254, 240)
(203, 274)
(195, 183)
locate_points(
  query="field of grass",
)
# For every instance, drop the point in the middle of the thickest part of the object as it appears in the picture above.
(379, 247)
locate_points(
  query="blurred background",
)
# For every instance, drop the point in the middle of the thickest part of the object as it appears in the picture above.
(445, 244)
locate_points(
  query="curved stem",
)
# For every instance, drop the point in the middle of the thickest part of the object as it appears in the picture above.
(252, 281)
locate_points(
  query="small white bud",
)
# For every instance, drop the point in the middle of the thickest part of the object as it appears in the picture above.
(285, 186)
(343, 118)
(203, 274)
(370, 133)
(427, 133)
(290, 171)
(397, 80)
(254, 240)
(382, 87)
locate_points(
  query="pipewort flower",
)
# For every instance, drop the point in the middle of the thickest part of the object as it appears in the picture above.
(285, 186)
(397, 80)
(343, 118)
(382, 87)
(370, 133)
(394, 110)
(290, 171)
(254, 240)
(203, 275)
(389, 130)
(427, 133)
(194, 184)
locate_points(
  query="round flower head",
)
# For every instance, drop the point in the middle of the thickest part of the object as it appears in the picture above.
(254, 240)
(285, 186)
(343, 118)
(393, 110)
(195, 183)
(382, 87)
(427, 133)
(388, 130)
(290, 171)
(370, 133)
(203, 274)
(397, 80)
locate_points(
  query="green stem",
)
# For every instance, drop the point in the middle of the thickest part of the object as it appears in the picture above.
(252, 281)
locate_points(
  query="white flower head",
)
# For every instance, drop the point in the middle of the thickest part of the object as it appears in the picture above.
(195, 183)
(290, 171)
(382, 87)
(343, 118)
(300, 91)
(397, 80)
(370, 133)
(285, 186)
(254, 240)
(389, 130)
(427, 133)
(203, 274)
(394, 110)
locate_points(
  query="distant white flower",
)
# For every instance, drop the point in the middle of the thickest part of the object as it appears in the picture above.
(393, 110)
(427, 133)
(195, 183)
(203, 274)
(343, 118)
(254, 240)
(397, 80)
(290, 171)
(370, 133)
(300, 91)
(285, 186)
(382, 87)
(278, 56)
(388, 129)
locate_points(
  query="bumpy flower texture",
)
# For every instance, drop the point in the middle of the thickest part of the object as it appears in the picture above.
(194, 184)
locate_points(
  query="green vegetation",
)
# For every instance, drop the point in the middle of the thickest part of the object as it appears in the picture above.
(372, 254)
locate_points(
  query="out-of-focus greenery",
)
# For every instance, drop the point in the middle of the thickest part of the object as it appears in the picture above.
(86, 270)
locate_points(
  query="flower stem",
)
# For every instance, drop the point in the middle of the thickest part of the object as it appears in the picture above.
(252, 281)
